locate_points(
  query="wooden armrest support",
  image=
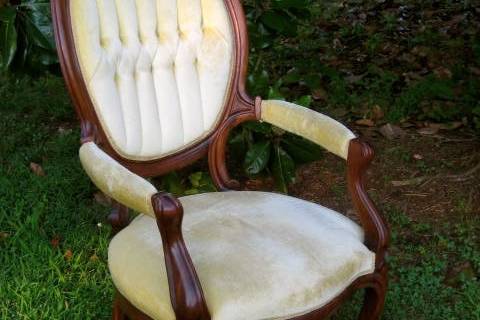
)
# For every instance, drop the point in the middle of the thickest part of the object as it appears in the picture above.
(360, 155)
(185, 289)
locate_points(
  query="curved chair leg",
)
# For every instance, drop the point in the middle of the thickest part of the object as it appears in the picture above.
(119, 217)
(117, 313)
(374, 300)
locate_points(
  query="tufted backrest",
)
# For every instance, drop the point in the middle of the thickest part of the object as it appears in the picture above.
(157, 71)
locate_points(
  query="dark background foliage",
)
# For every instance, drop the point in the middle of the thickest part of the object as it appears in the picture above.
(375, 62)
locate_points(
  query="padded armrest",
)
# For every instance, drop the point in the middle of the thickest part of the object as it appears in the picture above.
(116, 181)
(314, 126)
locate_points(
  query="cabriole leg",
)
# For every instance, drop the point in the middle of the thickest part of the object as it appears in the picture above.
(117, 313)
(119, 218)
(374, 300)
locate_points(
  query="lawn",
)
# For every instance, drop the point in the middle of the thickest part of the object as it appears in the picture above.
(53, 231)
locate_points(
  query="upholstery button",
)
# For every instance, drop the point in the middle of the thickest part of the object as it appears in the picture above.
(103, 42)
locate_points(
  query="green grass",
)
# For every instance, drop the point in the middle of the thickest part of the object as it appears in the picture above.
(42, 280)
(37, 281)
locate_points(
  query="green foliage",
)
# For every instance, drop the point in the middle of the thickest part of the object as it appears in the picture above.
(270, 150)
(283, 168)
(267, 19)
(257, 157)
(8, 40)
(27, 41)
(193, 183)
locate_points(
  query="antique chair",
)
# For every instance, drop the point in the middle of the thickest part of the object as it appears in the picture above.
(157, 85)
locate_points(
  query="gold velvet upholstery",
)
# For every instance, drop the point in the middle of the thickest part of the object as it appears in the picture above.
(258, 256)
(157, 71)
(115, 181)
(314, 126)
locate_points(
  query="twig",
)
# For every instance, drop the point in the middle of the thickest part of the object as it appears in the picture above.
(464, 176)
(425, 180)
(445, 139)
(409, 182)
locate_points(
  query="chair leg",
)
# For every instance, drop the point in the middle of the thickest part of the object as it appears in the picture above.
(374, 300)
(117, 313)
(119, 218)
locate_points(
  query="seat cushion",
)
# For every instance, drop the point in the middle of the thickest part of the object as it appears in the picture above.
(258, 256)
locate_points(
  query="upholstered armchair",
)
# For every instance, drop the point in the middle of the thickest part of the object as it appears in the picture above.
(158, 84)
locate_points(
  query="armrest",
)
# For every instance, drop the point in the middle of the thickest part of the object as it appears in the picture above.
(116, 181)
(360, 155)
(137, 193)
(339, 140)
(314, 126)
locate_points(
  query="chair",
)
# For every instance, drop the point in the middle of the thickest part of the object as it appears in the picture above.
(158, 84)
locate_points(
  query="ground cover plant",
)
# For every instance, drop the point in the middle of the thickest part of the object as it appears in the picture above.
(403, 74)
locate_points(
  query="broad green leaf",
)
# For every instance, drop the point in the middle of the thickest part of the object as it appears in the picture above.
(288, 4)
(195, 179)
(274, 92)
(201, 183)
(304, 101)
(257, 157)
(8, 37)
(238, 143)
(173, 184)
(283, 168)
(260, 37)
(313, 81)
(38, 25)
(259, 83)
(258, 127)
(279, 22)
(192, 191)
(292, 76)
(301, 150)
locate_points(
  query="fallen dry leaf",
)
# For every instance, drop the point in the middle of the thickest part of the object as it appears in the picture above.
(68, 255)
(365, 122)
(94, 258)
(377, 112)
(254, 184)
(443, 73)
(475, 71)
(391, 131)
(319, 94)
(37, 169)
(451, 126)
(428, 130)
(459, 273)
(55, 241)
(102, 199)
(407, 125)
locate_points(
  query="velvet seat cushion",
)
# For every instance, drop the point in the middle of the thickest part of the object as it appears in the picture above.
(258, 256)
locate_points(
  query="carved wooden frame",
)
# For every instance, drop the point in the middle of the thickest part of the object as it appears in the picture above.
(185, 289)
